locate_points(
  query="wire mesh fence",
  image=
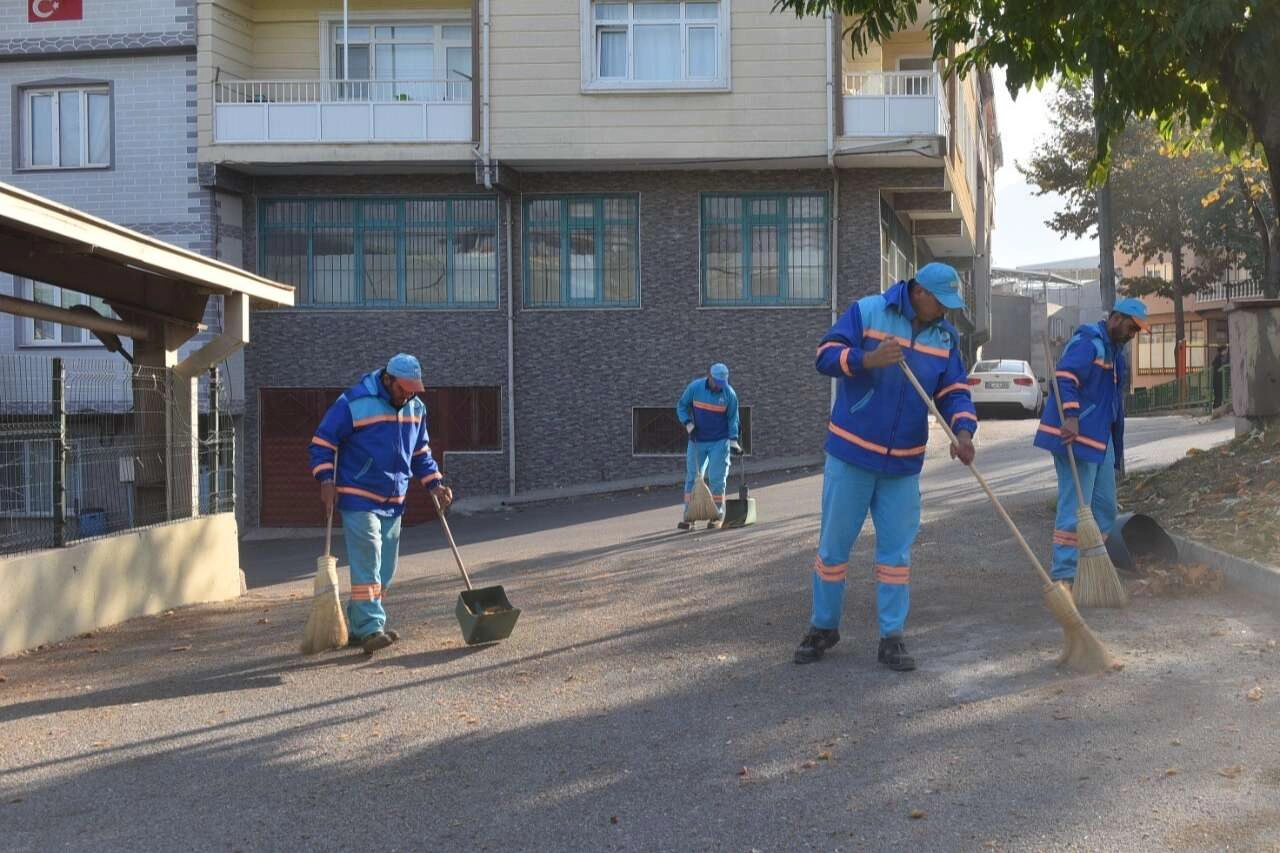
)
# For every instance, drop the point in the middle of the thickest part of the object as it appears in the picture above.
(1195, 392)
(90, 447)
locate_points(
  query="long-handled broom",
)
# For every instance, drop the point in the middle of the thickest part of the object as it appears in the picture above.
(702, 507)
(1084, 652)
(1097, 583)
(326, 626)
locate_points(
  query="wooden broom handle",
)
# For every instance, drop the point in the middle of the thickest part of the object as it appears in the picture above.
(448, 534)
(328, 526)
(928, 401)
(1062, 417)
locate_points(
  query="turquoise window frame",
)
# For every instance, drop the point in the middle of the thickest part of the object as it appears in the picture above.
(399, 225)
(748, 220)
(597, 222)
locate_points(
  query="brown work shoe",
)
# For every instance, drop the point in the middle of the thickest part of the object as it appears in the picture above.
(375, 642)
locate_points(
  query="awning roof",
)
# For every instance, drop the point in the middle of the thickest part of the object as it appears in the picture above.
(50, 242)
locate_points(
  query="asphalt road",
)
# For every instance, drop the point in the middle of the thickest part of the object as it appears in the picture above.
(647, 700)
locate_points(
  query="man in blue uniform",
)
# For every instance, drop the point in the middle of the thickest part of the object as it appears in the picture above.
(708, 408)
(368, 445)
(1091, 377)
(876, 443)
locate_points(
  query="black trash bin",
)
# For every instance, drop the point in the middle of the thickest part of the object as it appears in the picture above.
(1136, 535)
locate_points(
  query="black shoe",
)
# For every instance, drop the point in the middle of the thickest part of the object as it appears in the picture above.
(376, 641)
(815, 644)
(893, 654)
(355, 642)
(685, 525)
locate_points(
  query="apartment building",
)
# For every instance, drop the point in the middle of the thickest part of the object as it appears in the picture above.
(99, 112)
(1155, 359)
(568, 209)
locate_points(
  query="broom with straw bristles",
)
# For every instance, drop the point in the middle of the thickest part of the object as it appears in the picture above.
(1083, 651)
(702, 507)
(1097, 583)
(326, 626)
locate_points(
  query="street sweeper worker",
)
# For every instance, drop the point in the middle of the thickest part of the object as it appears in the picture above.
(708, 408)
(1091, 377)
(876, 443)
(377, 430)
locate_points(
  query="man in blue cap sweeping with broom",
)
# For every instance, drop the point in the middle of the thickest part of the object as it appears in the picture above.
(369, 444)
(876, 443)
(1091, 377)
(708, 408)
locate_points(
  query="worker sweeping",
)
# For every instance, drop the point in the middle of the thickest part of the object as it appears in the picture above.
(876, 442)
(377, 429)
(1091, 376)
(708, 408)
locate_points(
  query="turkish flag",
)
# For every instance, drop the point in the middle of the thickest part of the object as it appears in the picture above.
(54, 10)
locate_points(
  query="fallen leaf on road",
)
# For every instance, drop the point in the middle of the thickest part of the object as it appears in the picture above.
(1176, 742)
(722, 657)
(808, 765)
(1061, 715)
(916, 814)
(98, 744)
(180, 649)
(3, 679)
(1254, 695)
(613, 819)
(742, 772)
(1172, 771)
(264, 621)
(1231, 772)
(824, 756)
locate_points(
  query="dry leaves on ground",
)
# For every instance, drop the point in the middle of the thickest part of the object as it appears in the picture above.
(1156, 578)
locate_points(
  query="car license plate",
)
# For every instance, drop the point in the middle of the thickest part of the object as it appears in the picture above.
(997, 384)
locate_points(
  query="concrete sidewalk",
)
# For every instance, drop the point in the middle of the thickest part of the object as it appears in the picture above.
(647, 701)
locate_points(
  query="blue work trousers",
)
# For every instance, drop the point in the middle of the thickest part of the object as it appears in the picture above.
(848, 493)
(1098, 482)
(711, 457)
(373, 543)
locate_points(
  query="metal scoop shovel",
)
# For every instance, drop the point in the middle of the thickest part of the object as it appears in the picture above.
(485, 615)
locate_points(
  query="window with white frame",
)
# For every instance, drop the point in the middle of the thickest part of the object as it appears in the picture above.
(406, 61)
(26, 479)
(647, 45)
(66, 127)
(45, 333)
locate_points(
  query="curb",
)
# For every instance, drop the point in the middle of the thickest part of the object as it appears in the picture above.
(1256, 577)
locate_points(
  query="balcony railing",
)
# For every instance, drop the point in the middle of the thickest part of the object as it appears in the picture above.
(1226, 291)
(342, 111)
(893, 103)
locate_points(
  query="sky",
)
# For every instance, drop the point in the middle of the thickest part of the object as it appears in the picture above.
(1020, 236)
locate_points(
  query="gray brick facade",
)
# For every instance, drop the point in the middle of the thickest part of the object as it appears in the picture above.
(579, 373)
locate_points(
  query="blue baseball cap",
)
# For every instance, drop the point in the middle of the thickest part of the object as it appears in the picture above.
(943, 282)
(720, 372)
(1136, 309)
(406, 368)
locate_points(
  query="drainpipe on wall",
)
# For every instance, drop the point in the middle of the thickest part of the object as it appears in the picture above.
(835, 179)
(483, 153)
(511, 365)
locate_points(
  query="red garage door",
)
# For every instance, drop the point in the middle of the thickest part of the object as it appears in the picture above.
(464, 418)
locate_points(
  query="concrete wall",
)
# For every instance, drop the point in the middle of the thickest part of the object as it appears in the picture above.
(1010, 328)
(54, 594)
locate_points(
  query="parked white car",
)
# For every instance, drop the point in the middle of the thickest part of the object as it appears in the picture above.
(1005, 386)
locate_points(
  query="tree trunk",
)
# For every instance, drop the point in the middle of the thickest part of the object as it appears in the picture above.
(1106, 236)
(1179, 315)
(1271, 147)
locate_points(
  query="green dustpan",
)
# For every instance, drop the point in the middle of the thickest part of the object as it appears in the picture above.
(485, 615)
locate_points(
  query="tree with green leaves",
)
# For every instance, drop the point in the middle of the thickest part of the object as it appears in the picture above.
(1206, 65)
(1168, 201)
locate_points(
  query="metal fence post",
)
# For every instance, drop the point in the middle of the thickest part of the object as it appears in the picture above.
(215, 450)
(59, 455)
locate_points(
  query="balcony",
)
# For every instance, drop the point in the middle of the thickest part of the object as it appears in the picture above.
(341, 111)
(893, 103)
(1224, 292)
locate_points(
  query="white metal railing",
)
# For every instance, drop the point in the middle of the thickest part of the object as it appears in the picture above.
(893, 103)
(341, 91)
(898, 84)
(1226, 290)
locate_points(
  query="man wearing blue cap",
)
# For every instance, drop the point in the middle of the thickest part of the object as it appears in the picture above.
(708, 408)
(1091, 377)
(876, 442)
(369, 443)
